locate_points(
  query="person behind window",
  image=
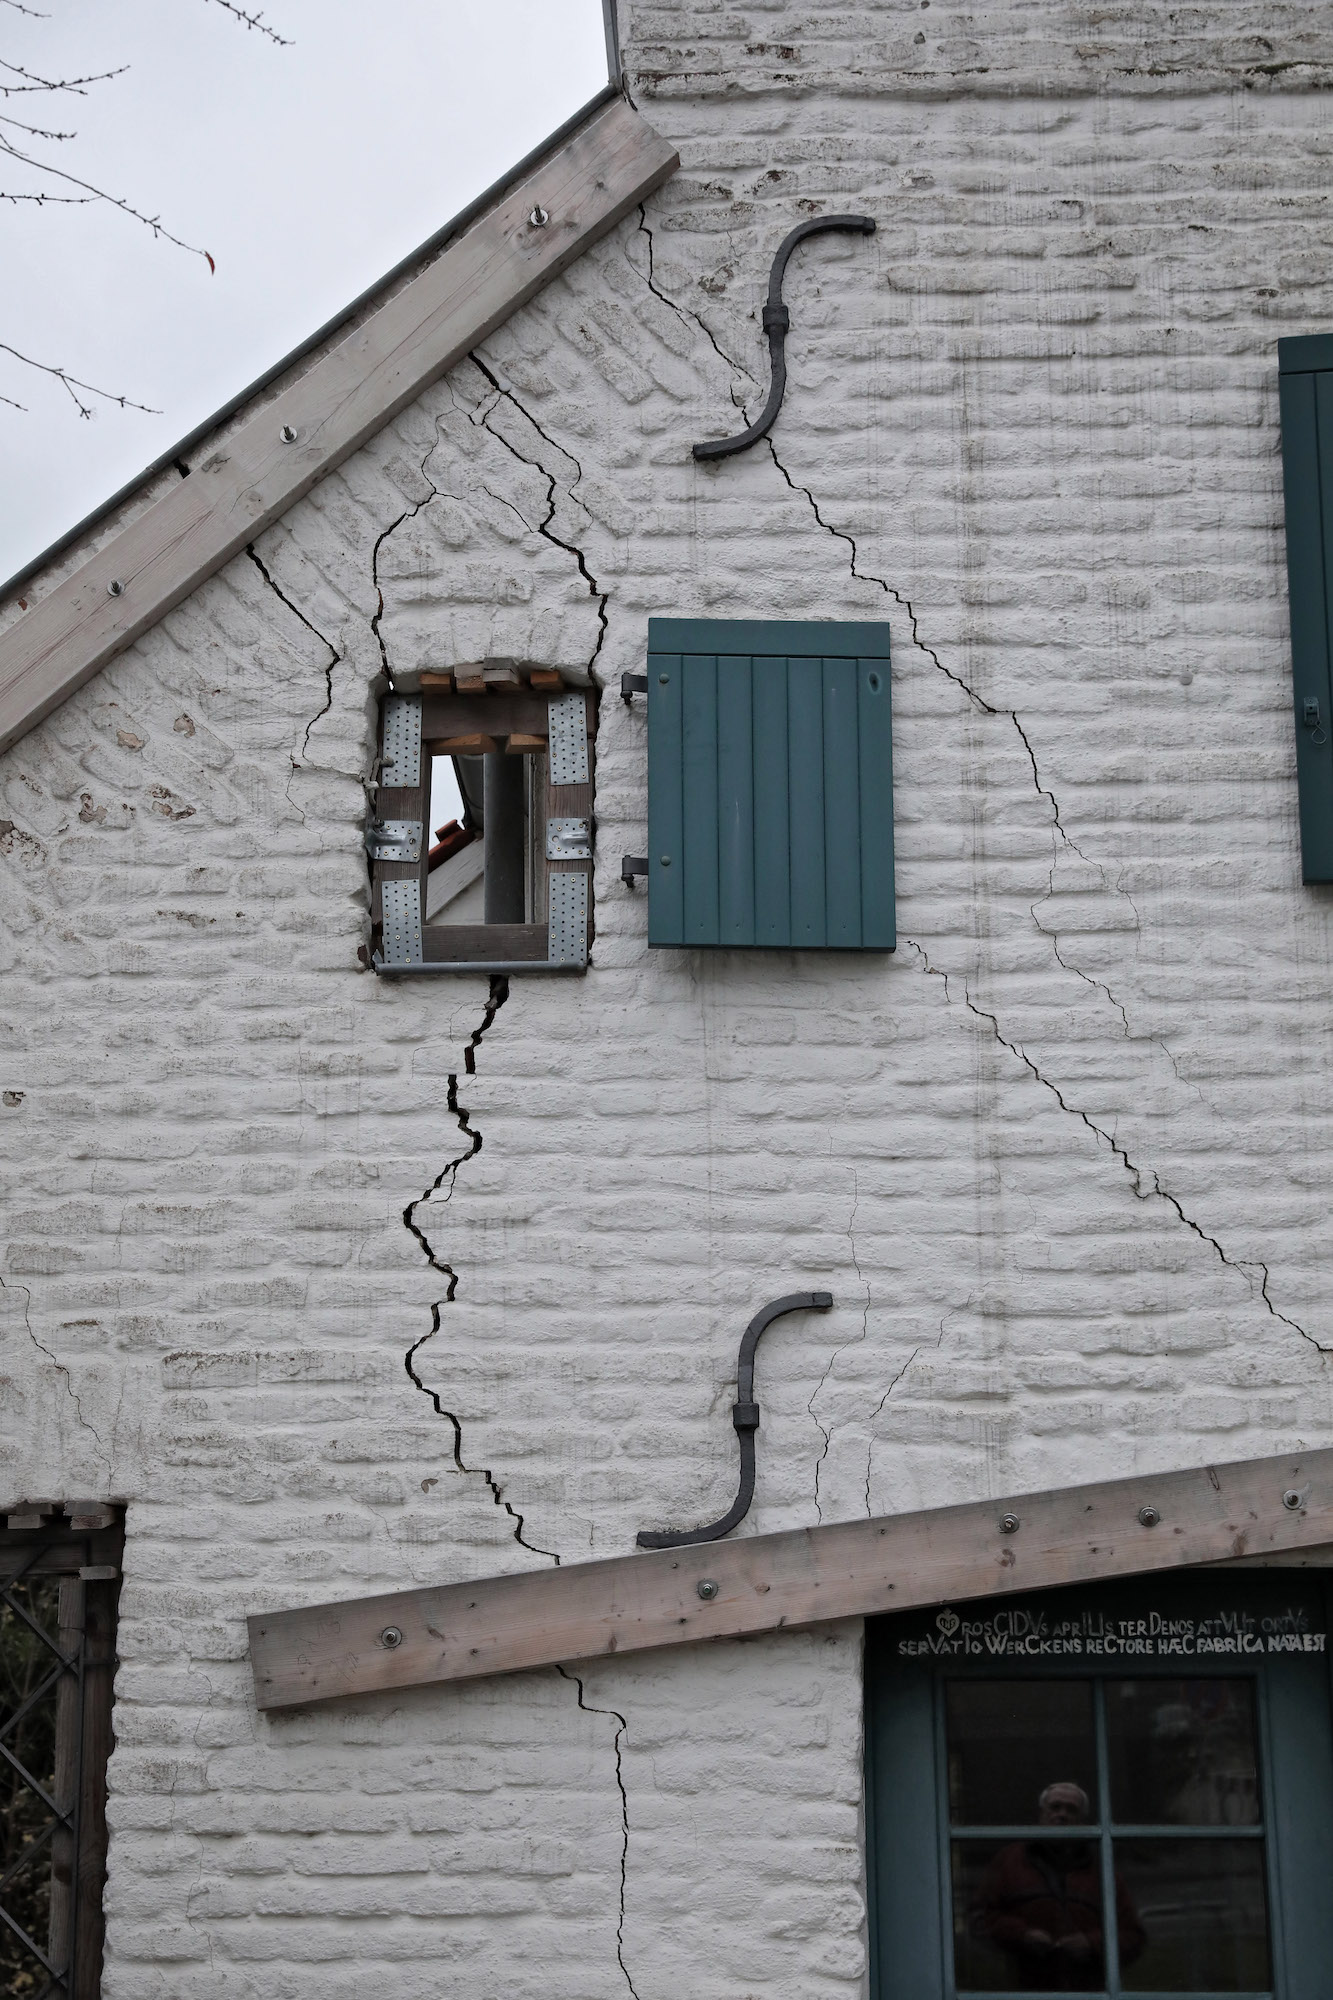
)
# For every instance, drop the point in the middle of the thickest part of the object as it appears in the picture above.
(1040, 1901)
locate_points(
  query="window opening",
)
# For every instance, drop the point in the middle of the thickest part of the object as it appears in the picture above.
(498, 763)
(1105, 1836)
(59, 1580)
(1116, 1790)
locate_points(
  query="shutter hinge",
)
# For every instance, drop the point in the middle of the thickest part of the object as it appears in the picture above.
(632, 684)
(632, 865)
(394, 840)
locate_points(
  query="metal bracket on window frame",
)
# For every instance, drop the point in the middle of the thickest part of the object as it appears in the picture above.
(568, 839)
(394, 839)
(567, 933)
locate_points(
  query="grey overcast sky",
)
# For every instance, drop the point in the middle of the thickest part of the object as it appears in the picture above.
(305, 171)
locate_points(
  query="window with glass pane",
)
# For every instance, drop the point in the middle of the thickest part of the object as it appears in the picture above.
(1106, 1836)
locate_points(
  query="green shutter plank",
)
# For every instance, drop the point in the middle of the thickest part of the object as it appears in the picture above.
(875, 748)
(699, 798)
(735, 800)
(1306, 397)
(770, 785)
(805, 791)
(666, 884)
(772, 804)
(842, 807)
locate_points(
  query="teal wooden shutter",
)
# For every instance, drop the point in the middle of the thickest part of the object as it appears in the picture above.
(1305, 377)
(770, 785)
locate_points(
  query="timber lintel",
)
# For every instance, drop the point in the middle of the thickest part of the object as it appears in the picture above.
(848, 1569)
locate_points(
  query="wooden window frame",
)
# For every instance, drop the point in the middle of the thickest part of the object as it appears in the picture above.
(475, 711)
(907, 1829)
(1305, 394)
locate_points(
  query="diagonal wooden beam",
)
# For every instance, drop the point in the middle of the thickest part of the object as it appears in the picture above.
(248, 480)
(1124, 1527)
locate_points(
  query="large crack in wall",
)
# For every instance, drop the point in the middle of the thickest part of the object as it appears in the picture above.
(589, 1708)
(1147, 1183)
(446, 1179)
(62, 1369)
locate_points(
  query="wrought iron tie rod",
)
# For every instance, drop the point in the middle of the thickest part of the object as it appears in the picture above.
(777, 322)
(745, 1416)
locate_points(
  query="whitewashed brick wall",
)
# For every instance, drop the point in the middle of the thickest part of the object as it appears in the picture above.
(1063, 1161)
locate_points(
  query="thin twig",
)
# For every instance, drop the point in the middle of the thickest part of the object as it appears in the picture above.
(50, 200)
(253, 21)
(152, 222)
(34, 82)
(70, 383)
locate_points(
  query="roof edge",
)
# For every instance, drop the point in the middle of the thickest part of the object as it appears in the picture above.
(121, 583)
(431, 247)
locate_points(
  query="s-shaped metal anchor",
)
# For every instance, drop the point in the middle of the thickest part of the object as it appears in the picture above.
(745, 1416)
(777, 321)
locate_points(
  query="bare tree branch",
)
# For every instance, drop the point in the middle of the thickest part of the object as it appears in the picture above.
(33, 82)
(30, 83)
(253, 21)
(50, 200)
(70, 383)
(152, 222)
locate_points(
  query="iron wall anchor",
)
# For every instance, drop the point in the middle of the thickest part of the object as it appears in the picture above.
(777, 324)
(745, 1417)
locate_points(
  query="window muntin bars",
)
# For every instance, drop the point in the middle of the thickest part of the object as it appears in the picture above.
(1131, 1807)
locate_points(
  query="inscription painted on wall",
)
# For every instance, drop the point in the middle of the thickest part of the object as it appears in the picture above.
(1024, 1632)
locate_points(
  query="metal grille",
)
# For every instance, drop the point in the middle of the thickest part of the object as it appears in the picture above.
(57, 1609)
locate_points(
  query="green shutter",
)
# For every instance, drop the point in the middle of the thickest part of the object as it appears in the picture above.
(1305, 371)
(770, 785)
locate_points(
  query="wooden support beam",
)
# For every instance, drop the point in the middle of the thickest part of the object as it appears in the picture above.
(251, 478)
(848, 1569)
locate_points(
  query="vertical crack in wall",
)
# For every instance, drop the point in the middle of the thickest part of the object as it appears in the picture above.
(408, 514)
(686, 315)
(893, 1384)
(621, 1727)
(855, 1341)
(1145, 1187)
(1060, 834)
(543, 527)
(1146, 1183)
(335, 657)
(447, 1178)
(63, 1371)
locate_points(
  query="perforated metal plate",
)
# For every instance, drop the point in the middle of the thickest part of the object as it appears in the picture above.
(402, 739)
(569, 739)
(567, 919)
(568, 840)
(400, 903)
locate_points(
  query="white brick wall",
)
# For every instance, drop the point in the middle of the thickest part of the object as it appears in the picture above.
(1062, 1161)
